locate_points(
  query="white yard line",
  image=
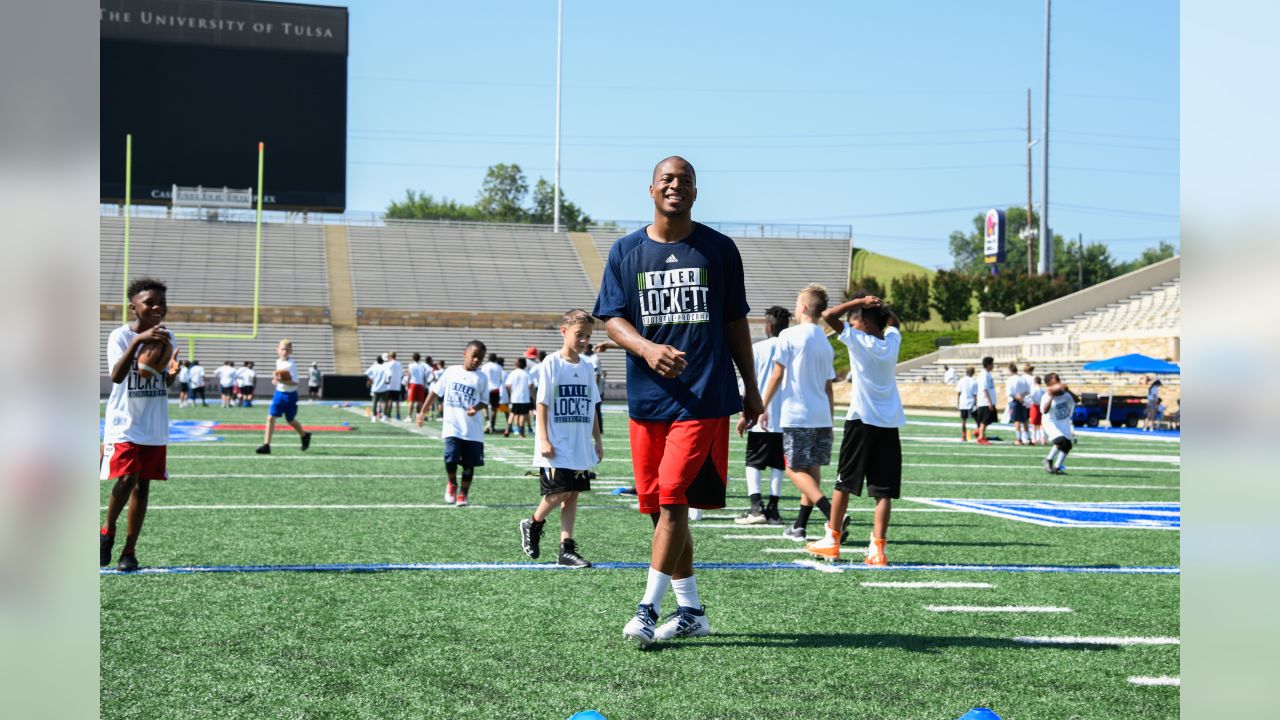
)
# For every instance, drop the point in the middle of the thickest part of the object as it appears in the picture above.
(820, 566)
(1096, 640)
(1162, 680)
(997, 608)
(935, 585)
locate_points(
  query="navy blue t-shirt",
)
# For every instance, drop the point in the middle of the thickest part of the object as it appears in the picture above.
(679, 294)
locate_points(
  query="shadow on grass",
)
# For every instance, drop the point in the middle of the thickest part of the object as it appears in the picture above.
(910, 643)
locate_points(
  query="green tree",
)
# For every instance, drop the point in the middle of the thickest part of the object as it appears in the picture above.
(1150, 256)
(999, 293)
(420, 206)
(869, 285)
(910, 297)
(571, 216)
(502, 194)
(1040, 289)
(952, 297)
(1099, 266)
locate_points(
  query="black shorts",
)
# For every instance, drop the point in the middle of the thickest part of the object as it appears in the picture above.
(1021, 413)
(559, 480)
(184, 387)
(764, 450)
(494, 396)
(467, 453)
(873, 454)
(226, 389)
(521, 408)
(965, 413)
(984, 415)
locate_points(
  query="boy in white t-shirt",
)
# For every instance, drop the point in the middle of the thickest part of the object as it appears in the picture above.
(285, 399)
(492, 372)
(196, 379)
(871, 450)
(464, 392)
(985, 403)
(764, 446)
(1036, 416)
(1016, 388)
(566, 433)
(395, 378)
(418, 373)
(966, 398)
(378, 381)
(802, 373)
(226, 381)
(246, 379)
(519, 386)
(136, 433)
(1058, 405)
(184, 383)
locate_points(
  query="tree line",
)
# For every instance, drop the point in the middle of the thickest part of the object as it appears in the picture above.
(955, 294)
(504, 197)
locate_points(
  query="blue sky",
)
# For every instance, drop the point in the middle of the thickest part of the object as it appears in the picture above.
(900, 119)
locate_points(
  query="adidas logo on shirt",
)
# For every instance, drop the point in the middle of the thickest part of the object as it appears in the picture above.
(672, 258)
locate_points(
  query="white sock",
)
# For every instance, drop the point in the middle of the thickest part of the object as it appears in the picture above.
(1053, 455)
(775, 482)
(655, 589)
(686, 590)
(753, 481)
(1062, 460)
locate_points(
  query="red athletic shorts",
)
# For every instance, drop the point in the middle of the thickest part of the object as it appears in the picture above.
(1035, 418)
(125, 458)
(685, 462)
(417, 393)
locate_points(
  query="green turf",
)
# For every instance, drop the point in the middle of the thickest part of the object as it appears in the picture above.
(520, 644)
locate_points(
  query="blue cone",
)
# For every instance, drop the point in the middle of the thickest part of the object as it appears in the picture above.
(587, 715)
(980, 713)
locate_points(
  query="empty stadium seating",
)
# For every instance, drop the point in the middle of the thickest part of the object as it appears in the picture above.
(1154, 309)
(211, 262)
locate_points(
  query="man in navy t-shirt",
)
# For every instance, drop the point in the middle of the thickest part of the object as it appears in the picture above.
(673, 296)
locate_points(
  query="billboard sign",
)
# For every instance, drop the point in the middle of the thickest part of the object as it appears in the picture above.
(993, 237)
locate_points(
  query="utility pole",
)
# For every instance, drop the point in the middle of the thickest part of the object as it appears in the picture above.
(1027, 229)
(1046, 239)
(1081, 251)
(555, 223)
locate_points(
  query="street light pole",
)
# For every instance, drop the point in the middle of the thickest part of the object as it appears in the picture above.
(556, 192)
(1046, 240)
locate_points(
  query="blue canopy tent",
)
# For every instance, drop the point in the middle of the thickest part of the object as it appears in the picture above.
(1134, 364)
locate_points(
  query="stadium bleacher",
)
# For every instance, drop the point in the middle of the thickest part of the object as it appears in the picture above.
(1155, 309)
(211, 262)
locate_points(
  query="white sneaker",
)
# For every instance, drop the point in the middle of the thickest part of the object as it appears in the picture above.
(640, 628)
(685, 622)
(750, 518)
(450, 494)
(695, 514)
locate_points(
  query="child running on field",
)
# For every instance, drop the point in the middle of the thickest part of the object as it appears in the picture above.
(136, 434)
(764, 446)
(464, 393)
(871, 451)
(566, 432)
(1058, 405)
(285, 400)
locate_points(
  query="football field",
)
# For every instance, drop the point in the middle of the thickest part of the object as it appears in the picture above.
(337, 584)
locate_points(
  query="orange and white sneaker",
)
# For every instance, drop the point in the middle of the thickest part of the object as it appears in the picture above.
(875, 553)
(828, 547)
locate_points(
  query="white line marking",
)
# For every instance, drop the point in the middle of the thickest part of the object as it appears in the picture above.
(788, 550)
(1031, 467)
(936, 585)
(1163, 680)
(1043, 485)
(819, 566)
(753, 537)
(1095, 640)
(997, 608)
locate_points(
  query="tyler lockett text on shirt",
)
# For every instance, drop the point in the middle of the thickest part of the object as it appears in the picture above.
(673, 296)
(460, 395)
(572, 404)
(139, 386)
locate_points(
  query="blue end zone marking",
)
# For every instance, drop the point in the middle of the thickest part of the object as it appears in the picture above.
(394, 567)
(180, 431)
(1050, 513)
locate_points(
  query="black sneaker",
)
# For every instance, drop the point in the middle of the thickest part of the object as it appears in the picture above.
(306, 441)
(795, 534)
(263, 449)
(569, 556)
(531, 537)
(105, 543)
(772, 516)
(844, 530)
(128, 563)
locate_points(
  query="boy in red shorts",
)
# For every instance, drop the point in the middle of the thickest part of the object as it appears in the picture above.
(673, 295)
(137, 422)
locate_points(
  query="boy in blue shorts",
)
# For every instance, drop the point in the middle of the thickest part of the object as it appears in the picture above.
(464, 393)
(285, 400)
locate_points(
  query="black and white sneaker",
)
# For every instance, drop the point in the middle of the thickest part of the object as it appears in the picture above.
(569, 556)
(844, 530)
(751, 517)
(263, 449)
(128, 563)
(640, 628)
(795, 534)
(684, 622)
(531, 537)
(772, 516)
(1048, 466)
(306, 441)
